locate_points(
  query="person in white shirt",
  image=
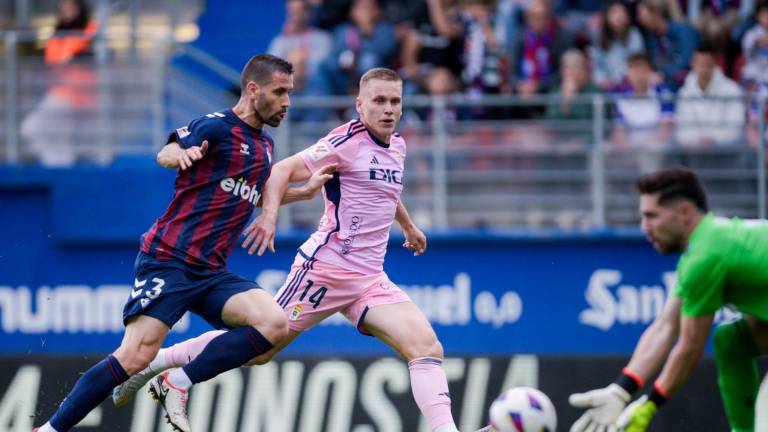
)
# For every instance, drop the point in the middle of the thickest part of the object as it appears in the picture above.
(709, 109)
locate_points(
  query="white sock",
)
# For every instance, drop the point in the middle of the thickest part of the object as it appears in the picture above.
(47, 428)
(179, 379)
(447, 427)
(158, 364)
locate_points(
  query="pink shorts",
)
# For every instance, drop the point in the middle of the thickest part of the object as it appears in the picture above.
(313, 291)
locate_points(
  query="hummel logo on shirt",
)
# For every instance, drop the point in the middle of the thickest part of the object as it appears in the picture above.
(374, 161)
(138, 284)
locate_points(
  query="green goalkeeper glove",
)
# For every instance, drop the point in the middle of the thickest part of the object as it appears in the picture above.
(637, 415)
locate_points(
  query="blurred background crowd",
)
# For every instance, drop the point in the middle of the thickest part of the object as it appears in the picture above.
(650, 48)
(531, 99)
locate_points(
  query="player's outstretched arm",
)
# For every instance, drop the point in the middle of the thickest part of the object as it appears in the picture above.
(657, 340)
(415, 240)
(290, 169)
(678, 367)
(260, 234)
(687, 351)
(605, 405)
(309, 189)
(173, 156)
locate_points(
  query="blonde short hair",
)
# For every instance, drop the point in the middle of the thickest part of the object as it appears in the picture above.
(379, 73)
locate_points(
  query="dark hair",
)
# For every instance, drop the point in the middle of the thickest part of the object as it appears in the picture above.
(640, 57)
(657, 7)
(379, 73)
(80, 22)
(706, 48)
(376, 3)
(761, 6)
(260, 68)
(674, 184)
(607, 34)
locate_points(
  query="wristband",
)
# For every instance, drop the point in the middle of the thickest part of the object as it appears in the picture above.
(629, 381)
(658, 395)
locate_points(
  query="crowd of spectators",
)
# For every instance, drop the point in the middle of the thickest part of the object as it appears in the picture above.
(671, 70)
(53, 129)
(655, 50)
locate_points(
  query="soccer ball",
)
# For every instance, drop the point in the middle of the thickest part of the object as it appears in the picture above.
(523, 409)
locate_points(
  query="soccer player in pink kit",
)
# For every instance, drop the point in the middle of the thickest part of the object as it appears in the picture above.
(340, 267)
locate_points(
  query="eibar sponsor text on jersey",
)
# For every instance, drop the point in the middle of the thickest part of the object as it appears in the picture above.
(240, 188)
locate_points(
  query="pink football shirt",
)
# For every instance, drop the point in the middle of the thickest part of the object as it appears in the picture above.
(360, 200)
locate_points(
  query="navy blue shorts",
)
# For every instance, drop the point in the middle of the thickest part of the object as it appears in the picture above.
(167, 289)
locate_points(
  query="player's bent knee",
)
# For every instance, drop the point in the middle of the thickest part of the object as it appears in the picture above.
(274, 327)
(423, 348)
(134, 361)
(435, 350)
(261, 359)
(733, 337)
(722, 338)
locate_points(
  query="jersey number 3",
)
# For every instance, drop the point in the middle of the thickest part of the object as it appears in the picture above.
(151, 293)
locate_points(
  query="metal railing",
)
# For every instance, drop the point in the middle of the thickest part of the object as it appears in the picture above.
(507, 171)
(489, 162)
(95, 107)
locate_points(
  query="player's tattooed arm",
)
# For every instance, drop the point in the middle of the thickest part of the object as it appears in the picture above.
(415, 240)
(173, 156)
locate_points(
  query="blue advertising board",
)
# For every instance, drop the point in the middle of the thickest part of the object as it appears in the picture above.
(66, 268)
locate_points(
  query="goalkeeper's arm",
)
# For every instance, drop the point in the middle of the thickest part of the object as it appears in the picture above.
(604, 405)
(657, 341)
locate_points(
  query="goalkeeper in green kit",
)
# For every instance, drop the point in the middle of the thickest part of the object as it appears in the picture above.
(723, 262)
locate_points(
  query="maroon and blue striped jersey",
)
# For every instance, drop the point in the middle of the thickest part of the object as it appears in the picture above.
(215, 198)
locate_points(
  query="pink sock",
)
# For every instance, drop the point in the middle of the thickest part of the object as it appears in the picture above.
(430, 389)
(183, 352)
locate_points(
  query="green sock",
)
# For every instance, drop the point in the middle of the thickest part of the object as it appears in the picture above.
(737, 374)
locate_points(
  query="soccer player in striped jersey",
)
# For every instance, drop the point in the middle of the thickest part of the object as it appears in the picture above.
(340, 267)
(223, 161)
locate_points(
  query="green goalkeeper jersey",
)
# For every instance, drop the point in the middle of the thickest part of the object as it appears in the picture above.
(726, 262)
